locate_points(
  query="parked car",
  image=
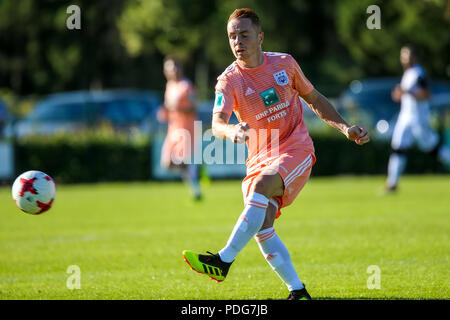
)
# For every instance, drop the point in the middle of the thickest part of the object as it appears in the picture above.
(369, 102)
(204, 113)
(4, 116)
(72, 111)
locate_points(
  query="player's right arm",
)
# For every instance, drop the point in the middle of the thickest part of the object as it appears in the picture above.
(223, 107)
(223, 130)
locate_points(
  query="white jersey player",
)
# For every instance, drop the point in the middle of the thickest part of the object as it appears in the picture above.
(413, 124)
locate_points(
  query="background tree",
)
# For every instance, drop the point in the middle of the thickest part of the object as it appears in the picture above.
(122, 43)
(425, 24)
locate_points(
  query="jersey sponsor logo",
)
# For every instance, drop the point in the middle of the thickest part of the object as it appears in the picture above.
(269, 97)
(218, 102)
(281, 78)
(274, 112)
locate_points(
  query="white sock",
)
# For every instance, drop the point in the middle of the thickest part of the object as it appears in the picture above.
(248, 224)
(397, 163)
(278, 257)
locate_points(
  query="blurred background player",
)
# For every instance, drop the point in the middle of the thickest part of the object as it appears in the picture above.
(413, 124)
(179, 110)
(263, 90)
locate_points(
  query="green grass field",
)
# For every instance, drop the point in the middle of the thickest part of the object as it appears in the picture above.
(127, 239)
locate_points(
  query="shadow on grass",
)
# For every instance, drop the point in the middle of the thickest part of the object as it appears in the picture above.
(369, 299)
(375, 299)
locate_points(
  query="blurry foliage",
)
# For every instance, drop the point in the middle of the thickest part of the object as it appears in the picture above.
(425, 24)
(94, 157)
(18, 106)
(167, 26)
(196, 31)
(122, 43)
(39, 55)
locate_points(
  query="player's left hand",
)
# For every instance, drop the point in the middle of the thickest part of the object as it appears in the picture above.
(358, 134)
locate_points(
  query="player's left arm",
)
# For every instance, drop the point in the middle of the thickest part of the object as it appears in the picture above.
(325, 111)
(323, 108)
(421, 94)
(420, 91)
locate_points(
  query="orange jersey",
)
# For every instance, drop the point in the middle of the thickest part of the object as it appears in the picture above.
(179, 97)
(267, 98)
(178, 145)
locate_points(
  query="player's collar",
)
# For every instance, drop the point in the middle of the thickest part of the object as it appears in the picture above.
(255, 68)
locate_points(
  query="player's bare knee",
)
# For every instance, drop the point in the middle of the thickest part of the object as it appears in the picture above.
(262, 186)
(268, 185)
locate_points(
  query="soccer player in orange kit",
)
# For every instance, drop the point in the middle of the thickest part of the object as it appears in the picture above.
(263, 90)
(179, 110)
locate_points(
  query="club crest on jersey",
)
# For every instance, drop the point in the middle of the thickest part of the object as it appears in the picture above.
(281, 78)
(269, 97)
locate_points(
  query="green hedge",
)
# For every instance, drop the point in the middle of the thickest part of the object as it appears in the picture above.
(111, 157)
(336, 155)
(86, 157)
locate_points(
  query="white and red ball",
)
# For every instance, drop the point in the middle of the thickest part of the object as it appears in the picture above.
(34, 192)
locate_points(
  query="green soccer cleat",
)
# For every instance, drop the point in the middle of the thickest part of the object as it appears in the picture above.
(301, 294)
(209, 264)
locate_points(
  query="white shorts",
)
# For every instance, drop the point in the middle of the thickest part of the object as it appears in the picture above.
(414, 130)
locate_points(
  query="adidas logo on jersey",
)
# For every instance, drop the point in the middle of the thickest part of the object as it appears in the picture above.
(249, 91)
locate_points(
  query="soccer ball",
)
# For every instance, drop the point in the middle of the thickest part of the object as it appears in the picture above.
(34, 192)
